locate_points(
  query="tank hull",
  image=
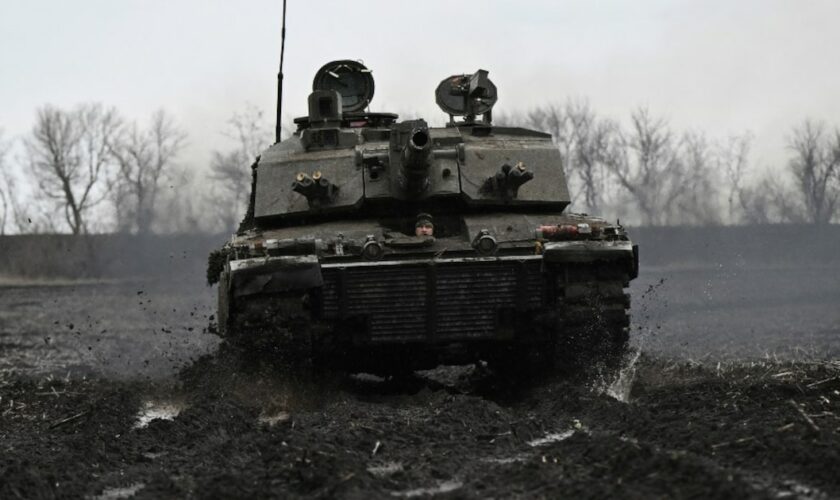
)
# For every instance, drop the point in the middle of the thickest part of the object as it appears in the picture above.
(418, 312)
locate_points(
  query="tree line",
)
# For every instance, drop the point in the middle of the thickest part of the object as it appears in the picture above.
(90, 169)
(651, 174)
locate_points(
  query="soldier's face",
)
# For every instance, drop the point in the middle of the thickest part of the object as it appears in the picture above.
(424, 230)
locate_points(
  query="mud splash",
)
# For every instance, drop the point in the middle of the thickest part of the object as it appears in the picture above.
(157, 410)
(621, 387)
(119, 493)
(442, 488)
(552, 437)
(385, 469)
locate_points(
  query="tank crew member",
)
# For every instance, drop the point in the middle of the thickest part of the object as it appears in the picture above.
(424, 226)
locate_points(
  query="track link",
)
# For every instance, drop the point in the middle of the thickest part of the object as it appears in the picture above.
(595, 315)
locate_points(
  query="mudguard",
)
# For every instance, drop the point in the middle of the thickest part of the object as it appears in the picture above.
(592, 251)
(274, 275)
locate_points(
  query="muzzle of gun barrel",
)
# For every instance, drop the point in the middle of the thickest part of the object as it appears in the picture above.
(416, 159)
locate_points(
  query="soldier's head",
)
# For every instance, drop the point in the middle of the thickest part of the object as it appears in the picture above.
(424, 225)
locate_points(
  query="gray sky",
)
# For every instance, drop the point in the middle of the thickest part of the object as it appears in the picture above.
(718, 66)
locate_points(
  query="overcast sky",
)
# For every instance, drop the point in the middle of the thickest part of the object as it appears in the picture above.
(713, 65)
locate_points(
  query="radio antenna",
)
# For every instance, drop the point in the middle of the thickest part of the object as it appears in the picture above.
(277, 125)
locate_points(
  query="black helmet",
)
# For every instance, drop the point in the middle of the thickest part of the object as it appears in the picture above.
(424, 219)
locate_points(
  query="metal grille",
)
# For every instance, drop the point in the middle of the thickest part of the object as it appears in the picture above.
(444, 300)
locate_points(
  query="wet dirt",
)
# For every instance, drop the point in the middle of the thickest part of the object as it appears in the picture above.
(717, 421)
(142, 329)
(763, 430)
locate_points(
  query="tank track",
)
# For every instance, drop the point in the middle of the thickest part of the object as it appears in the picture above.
(595, 316)
(273, 328)
(590, 331)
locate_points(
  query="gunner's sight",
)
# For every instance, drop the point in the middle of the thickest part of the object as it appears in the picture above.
(351, 79)
(467, 96)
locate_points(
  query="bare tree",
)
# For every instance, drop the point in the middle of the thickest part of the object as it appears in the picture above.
(13, 213)
(646, 163)
(592, 138)
(769, 201)
(550, 119)
(732, 158)
(699, 193)
(183, 198)
(69, 153)
(583, 140)
(23, 218)
(5, 188)
(231, 170)
(816, 167)
(232, 175)
(553, 119)
(144, 157)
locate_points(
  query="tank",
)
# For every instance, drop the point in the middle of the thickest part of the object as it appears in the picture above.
(378, 245)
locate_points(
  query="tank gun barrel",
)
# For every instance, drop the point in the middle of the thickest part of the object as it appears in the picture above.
(416, 156)
(418, 149)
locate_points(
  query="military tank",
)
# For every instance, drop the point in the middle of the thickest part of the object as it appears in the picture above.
(378, 245)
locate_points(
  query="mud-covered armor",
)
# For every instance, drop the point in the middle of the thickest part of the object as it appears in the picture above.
(327, 264)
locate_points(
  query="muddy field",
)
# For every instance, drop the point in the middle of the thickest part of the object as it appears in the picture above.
(114, 390)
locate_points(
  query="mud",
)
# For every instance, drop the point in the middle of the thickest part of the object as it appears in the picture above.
(716, 405)
(764, 430)
(141, 329)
